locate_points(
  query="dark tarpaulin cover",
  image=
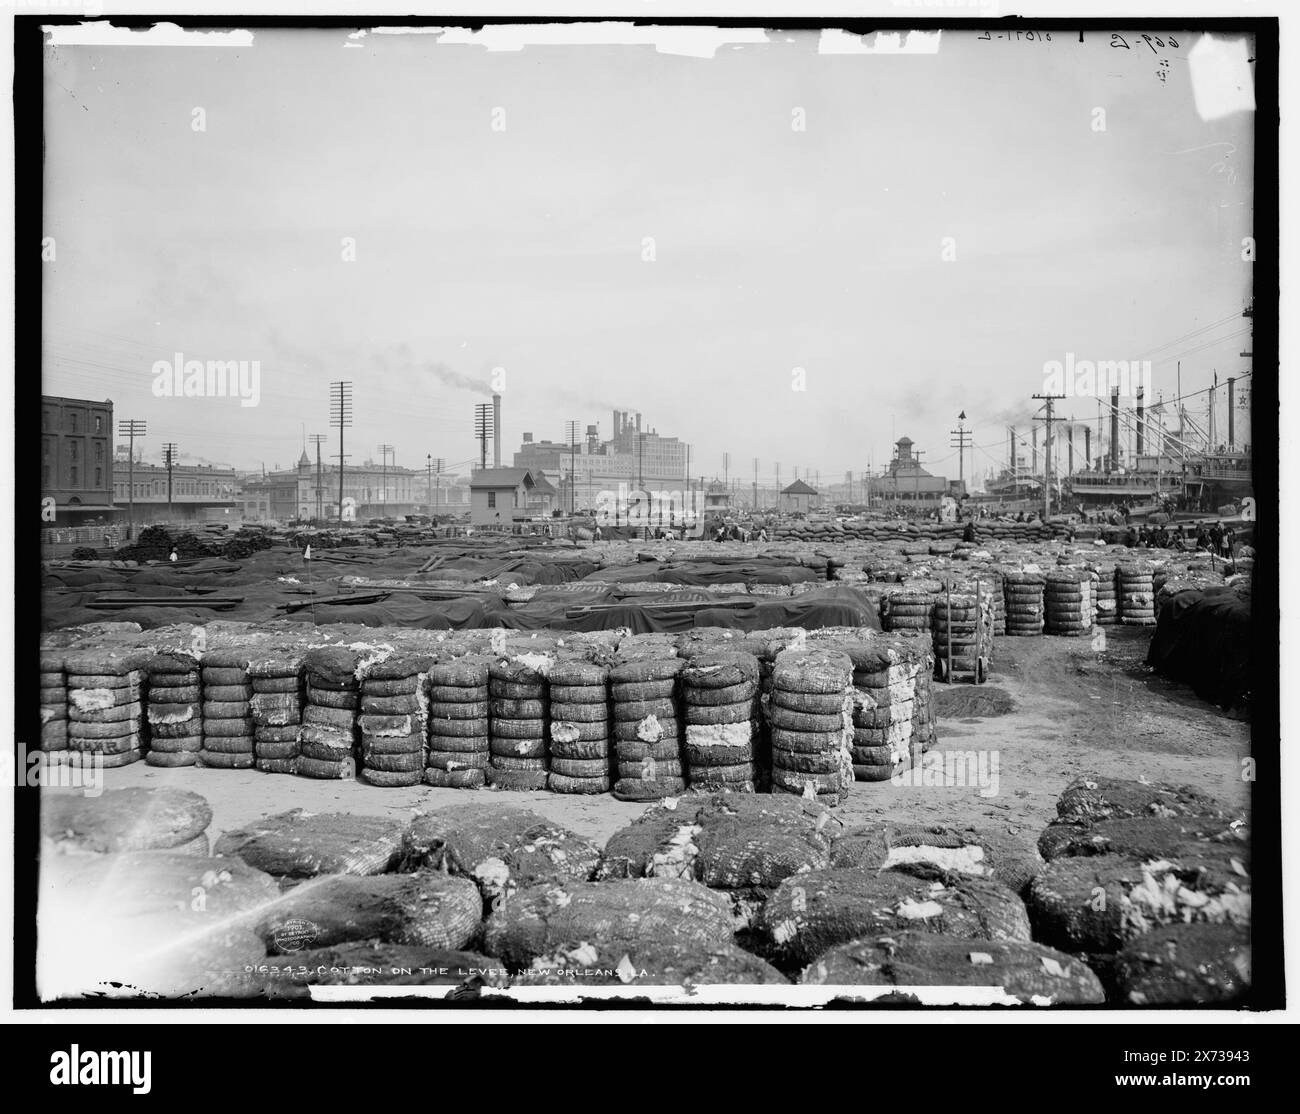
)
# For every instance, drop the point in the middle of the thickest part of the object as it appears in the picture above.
(833, 606)
(1205, 639)
(701, 573)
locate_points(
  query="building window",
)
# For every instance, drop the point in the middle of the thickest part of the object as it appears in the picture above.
(72, 450)
(99, 424)
(99, 452)
(72, 421)
(72, 475)
(99, 477)
(492, 499)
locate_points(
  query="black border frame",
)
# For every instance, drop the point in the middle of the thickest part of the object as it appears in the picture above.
(1268, 992)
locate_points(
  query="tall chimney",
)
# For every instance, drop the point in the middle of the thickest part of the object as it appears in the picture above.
(1069, 450)
(496, 431)
(1141, 410)
(1087, 446)
(1011, 457)
(616, 427)
(1232, 425)
(638, 421)
(1114, 430)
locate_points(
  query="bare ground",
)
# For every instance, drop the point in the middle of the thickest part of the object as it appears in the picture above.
(1074, 710)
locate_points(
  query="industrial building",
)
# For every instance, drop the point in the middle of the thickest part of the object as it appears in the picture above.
(636, 456)
(370, 490)
(201, 493)
(76, 459)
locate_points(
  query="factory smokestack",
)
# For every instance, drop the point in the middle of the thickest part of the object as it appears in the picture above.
(638, 421)
(1012, 455)
(1069, 449)
(618, 426)
(1114, 430)
(1087, 446)
(496, 431)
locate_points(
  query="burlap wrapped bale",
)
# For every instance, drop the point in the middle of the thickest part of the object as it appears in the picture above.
(979, 852)
(329, 736)
(1025, 970)
(301, 844)
(535, 921)
(1146, 837)
(426, 908)
(1092, 797)
(637, 723)
(826, 672)
(1098, 903)
(1185, 965)
(810, 913)
(517, 722)
(722, 748)
(503, 849)
(132, 819)
(660, 963)
(54, 700)
(579, 728)
(276, 709)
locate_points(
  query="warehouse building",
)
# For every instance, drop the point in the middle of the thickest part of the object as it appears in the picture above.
(501, 497)
(76, 459)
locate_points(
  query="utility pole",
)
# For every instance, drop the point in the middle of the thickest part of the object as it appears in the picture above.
(726, 471)
(1047, 453)
(961, 444)
(755, 484)
(384, 451)
(341, 418)
(439, 466)
(318, 439)
(482, 429)
(916, 475)
(133, 428)
(571, 436)
(169, 458)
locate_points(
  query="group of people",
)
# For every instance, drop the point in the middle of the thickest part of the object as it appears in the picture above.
(736, 533)
(1219, 539)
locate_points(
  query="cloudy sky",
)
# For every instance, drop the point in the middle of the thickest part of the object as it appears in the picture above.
(526, 248)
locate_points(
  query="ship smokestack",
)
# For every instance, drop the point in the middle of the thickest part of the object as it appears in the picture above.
(1114, 430)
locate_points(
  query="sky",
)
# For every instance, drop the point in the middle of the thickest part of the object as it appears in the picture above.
(648, 231)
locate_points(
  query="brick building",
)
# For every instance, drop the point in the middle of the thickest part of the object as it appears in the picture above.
(77, 459)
